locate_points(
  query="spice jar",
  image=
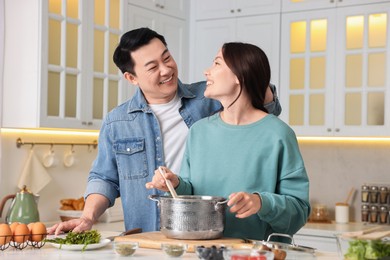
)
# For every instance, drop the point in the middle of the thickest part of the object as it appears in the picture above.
(383, 194)
(365, 193)
(365, 212)
(374, 194)
(374, 214)
(383, 215)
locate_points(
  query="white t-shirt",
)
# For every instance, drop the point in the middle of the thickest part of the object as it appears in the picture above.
(174, 132)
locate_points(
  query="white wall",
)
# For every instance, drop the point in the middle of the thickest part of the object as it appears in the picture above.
(66, 182)
(333, 169)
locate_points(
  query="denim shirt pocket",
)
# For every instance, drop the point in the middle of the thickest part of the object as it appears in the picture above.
(131, 158)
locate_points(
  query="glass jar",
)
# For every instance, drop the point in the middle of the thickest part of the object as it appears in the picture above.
(374, 214)
(374, 194)
(319, 213)
(383, 215)
(365, 213)
(365, 193)
(383, 194)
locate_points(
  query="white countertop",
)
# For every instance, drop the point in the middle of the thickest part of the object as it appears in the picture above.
(332, 229)
(106, 252)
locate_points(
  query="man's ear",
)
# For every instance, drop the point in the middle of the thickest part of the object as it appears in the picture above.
(131, 78)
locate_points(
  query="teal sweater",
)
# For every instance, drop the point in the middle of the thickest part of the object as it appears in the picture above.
(262, 157)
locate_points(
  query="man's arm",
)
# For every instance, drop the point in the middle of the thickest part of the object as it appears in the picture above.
(271, 101)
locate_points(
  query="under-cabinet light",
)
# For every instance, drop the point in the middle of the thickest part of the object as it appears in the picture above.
(67, 132)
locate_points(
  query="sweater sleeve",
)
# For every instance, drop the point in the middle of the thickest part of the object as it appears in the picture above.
(287, 210)
(185, 186)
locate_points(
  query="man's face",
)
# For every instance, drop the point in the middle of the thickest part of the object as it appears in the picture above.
(155, 72)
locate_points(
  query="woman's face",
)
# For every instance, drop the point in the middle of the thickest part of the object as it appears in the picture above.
(222, 84)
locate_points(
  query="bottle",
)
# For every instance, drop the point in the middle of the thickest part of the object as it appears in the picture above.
(383, 194)
(365, 193)
(374, 194)
(383, 215)
(365, 212)
(374, 214)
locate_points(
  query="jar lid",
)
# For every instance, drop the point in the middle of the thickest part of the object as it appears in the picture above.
(383, 188)
(374, 208)
(365, 187)
(374, 188)
(365, 207)
(383, 208)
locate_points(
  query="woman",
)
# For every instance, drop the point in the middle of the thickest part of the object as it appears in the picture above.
(243, 152)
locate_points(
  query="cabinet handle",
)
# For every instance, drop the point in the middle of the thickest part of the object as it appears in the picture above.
(90, 123)
(232, 11)
(332, 1)
(84, 123)
(328, 130)
(239, 10)
(157, 5)
(337, 130)
(161, 6)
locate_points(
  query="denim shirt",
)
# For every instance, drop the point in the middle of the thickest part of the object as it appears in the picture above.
(130, 149)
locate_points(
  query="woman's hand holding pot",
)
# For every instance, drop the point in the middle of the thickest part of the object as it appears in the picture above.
(244, 204)
(158, 181)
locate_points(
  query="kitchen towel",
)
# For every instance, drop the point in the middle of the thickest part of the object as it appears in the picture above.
(34, 175)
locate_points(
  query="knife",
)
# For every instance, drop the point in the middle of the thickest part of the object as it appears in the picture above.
(125, 233)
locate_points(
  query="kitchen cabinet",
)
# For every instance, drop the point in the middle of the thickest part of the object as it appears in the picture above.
(174, 29)
(262, 30)
(334, 69)
(59, 71)
(175, 8)
(300, 5)
(232, 8)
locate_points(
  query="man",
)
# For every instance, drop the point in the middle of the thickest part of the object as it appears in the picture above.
(147, 131)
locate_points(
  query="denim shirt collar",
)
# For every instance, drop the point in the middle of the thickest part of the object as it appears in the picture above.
(138, 102)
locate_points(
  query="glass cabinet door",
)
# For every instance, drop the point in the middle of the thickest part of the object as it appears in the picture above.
(64, 75)
(83, 83)
(107, 79)
(362, 73)
(307, 72)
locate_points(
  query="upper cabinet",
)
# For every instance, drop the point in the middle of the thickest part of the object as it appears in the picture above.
(59, 71)
(233, 8)
(301, 5)
(217, 22)
(335, 71)
(165, 17)
(176, 8)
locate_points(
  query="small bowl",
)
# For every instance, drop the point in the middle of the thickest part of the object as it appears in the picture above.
(174, 249)
(237, 254)
(125, 248)
(350, 247)
(211, 252)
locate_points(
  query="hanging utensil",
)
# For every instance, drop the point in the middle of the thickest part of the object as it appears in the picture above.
(168, 182)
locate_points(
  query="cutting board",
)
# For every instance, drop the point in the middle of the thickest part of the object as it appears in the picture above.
(155, 239)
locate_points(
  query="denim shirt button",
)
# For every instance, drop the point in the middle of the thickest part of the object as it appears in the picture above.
(158, 138)
(159, 159)
(128, 149)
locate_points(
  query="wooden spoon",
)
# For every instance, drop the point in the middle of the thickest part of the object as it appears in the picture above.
(168, 182)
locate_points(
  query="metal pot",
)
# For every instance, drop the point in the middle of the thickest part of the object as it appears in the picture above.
(191, 217)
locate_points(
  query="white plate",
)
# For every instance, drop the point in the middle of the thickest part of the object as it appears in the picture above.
(103, 242)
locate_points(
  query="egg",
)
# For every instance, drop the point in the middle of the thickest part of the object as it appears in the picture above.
(22, 233)
(5, 234)
(13, 226)
(38, 231)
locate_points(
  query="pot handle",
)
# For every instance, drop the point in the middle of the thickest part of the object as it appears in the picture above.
(282, 235)
(219, 203)
(155, 198)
